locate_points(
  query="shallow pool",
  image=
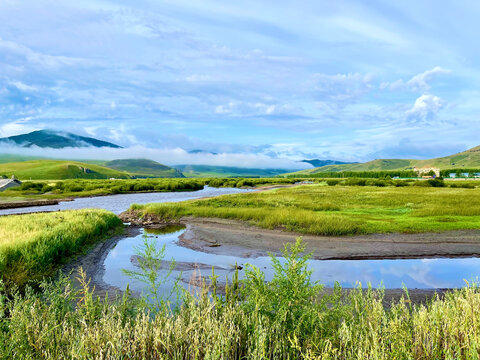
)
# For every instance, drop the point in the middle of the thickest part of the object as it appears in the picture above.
(391, 274)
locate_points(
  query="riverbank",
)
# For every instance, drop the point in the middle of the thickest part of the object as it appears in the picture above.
(29, 203)
(223, 237)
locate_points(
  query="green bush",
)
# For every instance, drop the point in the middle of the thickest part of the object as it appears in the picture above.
(332, 182)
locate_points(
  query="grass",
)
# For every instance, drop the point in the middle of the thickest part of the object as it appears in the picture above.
(33, 245)
(288, 318)
(45, 169)
(338, 210)
(57, 170)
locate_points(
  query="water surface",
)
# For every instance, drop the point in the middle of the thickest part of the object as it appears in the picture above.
(392, 274)
(121, 202)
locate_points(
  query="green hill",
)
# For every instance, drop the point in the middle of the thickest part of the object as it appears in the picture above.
(319, 163)
(7, 158)
(58, 170)
(55, 139)
(226, 171)
(466, 159)
(143, 168)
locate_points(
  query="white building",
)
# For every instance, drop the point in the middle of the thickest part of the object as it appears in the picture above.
(9, 183)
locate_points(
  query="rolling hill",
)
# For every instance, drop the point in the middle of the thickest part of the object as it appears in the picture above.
(55, 139)
(143, 168)
(45, 169)
(58, 170)
(466, 159)
(319, 163)
(226, 171)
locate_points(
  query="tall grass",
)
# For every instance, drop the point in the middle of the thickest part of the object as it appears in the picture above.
(288, 318)
(338, 210)
(32, 245)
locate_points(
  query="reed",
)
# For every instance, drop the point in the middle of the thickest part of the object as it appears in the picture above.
(288, 318)
(34, 245)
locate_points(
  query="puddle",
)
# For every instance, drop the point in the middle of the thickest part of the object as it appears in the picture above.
(392, 274)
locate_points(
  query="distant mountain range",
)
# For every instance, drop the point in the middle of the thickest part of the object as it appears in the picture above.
(55, 139)
(319, 163)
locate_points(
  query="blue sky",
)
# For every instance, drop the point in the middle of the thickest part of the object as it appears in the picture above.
(346, 80)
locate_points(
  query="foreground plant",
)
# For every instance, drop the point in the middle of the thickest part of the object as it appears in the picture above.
(287, 318)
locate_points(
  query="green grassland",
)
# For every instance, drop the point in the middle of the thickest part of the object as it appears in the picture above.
(66, 169)
(339, 210)
(33, 245)
(58, 169)
(467, 159)
(143, 168)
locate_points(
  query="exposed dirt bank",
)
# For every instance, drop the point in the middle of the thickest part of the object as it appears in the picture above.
(233, 237)
(20, 204)
(93, 265)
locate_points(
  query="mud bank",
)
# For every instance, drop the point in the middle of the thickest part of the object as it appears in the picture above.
(228, 236)
(92, 264)
(22, 204)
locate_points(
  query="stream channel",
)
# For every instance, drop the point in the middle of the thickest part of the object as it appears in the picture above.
(440, 273)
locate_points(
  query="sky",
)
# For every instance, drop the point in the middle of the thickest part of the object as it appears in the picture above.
(255, 81)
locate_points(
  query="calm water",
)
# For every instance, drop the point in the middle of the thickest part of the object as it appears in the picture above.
(414, 273)
(121, 202)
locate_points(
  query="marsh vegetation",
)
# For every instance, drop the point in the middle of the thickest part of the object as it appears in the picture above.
(337, 210)
(288, 318)
(33, 246)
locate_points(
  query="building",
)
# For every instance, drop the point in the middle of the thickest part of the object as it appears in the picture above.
(426, 170)
(9, 183)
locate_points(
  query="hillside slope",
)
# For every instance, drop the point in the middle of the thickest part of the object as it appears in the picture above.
(466, 159)
(58, 170)
(143, 168)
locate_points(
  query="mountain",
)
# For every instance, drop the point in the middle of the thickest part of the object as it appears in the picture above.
(319, 163)
(465, 159)
(198, 151)
(55, 139)
(226, 171)
(58, 170)
(143, 168)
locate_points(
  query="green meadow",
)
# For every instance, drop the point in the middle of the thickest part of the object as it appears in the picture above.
(32, 246)
(339, 210)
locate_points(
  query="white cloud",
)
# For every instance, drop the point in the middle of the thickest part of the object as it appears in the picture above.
(249, 108)
(168, 156)
(420, 82)
(15, 128)
(425, 107)
(341, 89)
(24, 87)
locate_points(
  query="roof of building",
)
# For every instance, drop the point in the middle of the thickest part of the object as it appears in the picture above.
(4, 182)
